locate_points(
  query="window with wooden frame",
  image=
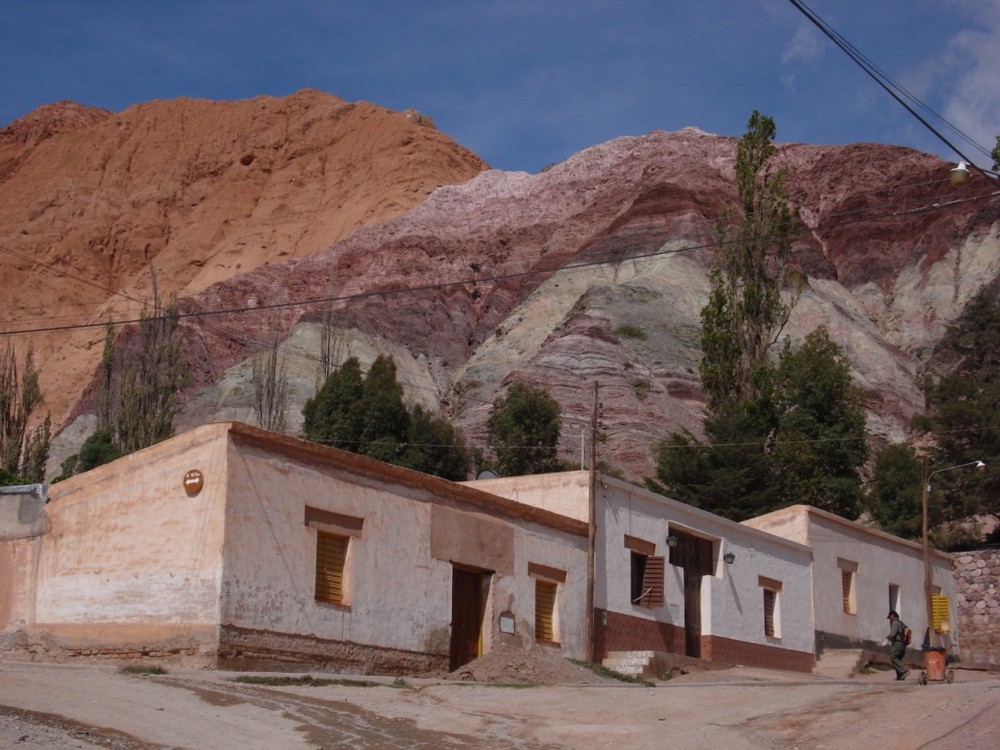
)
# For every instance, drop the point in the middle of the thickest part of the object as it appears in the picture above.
(547, 580)
(331, 558)
(333, 535)
(646, 573)
(849, 585)
(772, 611)
(545, 609)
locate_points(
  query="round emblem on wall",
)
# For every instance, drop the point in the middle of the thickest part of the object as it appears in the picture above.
(194, 480)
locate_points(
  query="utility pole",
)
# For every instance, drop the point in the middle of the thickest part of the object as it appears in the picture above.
(592, 532)
(928, 600)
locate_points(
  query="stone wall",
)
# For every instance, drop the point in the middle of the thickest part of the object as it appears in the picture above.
(978, 605)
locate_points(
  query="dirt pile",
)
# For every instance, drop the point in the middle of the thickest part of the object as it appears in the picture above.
(539, 666)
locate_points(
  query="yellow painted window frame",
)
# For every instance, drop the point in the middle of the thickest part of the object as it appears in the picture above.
(545, 610)
(331, 563)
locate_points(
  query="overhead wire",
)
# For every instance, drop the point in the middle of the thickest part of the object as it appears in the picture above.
(896, 91)
(854, 217)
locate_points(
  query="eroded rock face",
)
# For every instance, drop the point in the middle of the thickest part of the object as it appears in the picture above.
(594, 270)
(90, 200)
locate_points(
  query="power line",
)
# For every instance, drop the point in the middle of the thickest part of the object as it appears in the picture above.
(473, 281)
(706, 223)
(894, 90)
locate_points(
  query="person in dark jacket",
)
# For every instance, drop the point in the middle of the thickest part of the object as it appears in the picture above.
(897, 642)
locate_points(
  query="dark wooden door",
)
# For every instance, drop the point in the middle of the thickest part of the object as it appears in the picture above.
(692, 613)
(694, 556)
(466, 616)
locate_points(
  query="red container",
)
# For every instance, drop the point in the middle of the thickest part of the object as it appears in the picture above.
(934, 663)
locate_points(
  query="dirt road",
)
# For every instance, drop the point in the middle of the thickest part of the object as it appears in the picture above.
(55, 706)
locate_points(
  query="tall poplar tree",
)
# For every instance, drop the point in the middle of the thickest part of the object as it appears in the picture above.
(753, 242)
(778, 432)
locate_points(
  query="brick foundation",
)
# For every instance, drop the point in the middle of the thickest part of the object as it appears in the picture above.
(261, 650)
(614, 631)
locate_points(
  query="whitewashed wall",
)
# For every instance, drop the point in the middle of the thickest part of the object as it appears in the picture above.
(882, 559)
(398, 591)
(732, 598)
(129, 556)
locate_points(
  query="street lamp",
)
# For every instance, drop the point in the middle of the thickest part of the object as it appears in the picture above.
(927, 548)
(960, 174)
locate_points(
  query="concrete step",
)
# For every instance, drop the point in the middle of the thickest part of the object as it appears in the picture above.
(839, 662)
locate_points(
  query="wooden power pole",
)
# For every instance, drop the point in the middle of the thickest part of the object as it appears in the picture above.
(592, 532)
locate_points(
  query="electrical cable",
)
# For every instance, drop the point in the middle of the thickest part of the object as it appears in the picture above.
(473, 281)
(891, 87)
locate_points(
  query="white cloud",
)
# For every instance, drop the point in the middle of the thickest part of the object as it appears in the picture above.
(805, 45)
(973, 104)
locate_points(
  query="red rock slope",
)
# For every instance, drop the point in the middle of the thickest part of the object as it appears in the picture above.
(199, 190)
(548, 277)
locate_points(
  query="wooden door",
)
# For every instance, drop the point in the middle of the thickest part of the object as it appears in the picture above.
(692, 613)
(694, 555)
(466, 616)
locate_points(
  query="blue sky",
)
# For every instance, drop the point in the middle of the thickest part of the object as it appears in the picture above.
(525, 84)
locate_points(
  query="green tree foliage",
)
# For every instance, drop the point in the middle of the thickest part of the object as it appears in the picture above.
(996, 154)
(386, 418)
(745, 311)
(435, 447)
(820, 443)
(334, 415)
(731, 474)
(523, 430)
(964, 413)
(805, 443)
(95, 451)
(366, 414)
(23, 452)
(894, 495)
(778, 433)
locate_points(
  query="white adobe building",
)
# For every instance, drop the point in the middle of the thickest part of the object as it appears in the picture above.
(724, 592)
(232, 546)
(859, 574)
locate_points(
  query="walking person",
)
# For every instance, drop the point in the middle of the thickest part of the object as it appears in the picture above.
(897, 641)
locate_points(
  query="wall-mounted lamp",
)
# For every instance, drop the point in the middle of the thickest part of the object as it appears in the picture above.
(672, 541)
(960, 174)
(729, 557)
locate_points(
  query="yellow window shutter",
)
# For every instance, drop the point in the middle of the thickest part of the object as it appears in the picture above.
(545, 605)
(331, 555)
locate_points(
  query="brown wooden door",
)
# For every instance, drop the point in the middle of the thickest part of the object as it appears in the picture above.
(692, 613)
(694, 555)
(466, 616)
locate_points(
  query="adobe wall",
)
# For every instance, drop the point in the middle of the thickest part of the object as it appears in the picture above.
(130, 565)
(977, 575)
(732, 599)
(396, 612)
